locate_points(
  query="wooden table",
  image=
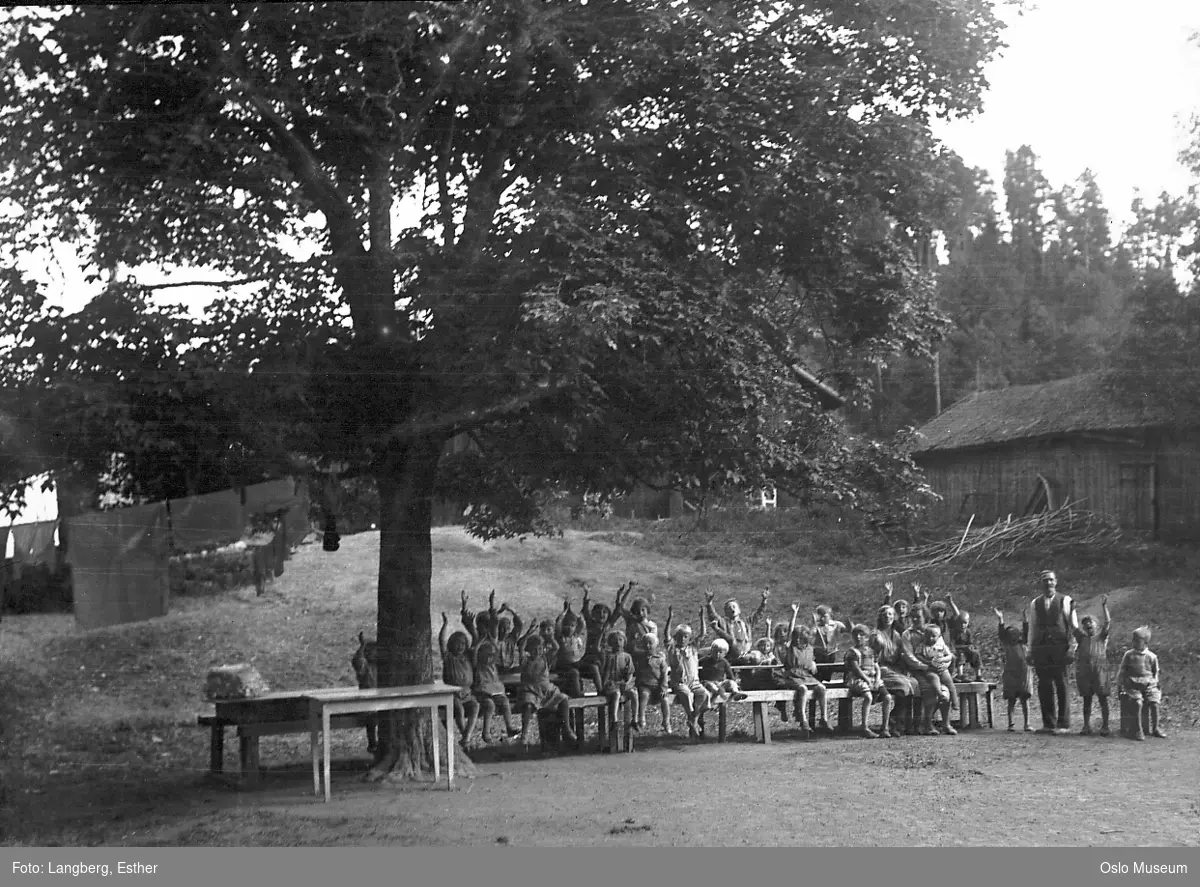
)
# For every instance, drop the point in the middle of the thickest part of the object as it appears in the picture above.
(326, 704)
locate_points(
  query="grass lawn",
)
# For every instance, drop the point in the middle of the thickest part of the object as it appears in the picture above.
(100, 742)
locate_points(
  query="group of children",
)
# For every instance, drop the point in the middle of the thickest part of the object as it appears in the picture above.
(1137, 675)
(547, 662)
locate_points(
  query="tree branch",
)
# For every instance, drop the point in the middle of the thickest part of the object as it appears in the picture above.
(221, 284)
(466, 418)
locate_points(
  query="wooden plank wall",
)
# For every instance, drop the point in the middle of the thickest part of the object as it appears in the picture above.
(995, 482)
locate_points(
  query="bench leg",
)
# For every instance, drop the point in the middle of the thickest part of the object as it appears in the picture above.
(989, 707)
(762, 722)
(974, 711)
(248, 757)
(602, 723)
(722, 721)
(216, 749)
(845, 714)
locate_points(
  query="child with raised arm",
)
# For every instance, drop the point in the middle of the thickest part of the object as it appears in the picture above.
(800, 674)
(735, 631)
(865, 680)
(1016, 681)
(571, 635)
(616, 672)
(650, 679)
(458, 671)
(1138, 681)
(600, 619)
(825, 635)
(899, 607)
(487, 688)
(637, 617)
(683, 661)
(1091, 668)
(962, 643)
(506, 627)
(538, 693)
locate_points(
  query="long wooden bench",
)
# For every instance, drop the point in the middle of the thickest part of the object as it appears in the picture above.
(760, 699)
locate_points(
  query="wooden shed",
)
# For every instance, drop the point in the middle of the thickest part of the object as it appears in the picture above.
(1017, 450)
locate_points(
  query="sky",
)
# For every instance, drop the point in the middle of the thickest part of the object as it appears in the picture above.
(1102, 84)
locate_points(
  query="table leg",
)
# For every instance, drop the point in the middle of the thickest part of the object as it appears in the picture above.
(216, 752)
(722, 721)
(449, 753)
(435, 712)
(325, 731)
(989, 707)
(313, 729)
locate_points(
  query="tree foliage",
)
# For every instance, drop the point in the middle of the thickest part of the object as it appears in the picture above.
(603, 239)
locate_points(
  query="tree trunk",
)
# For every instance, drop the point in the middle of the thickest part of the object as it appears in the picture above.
(405, 629)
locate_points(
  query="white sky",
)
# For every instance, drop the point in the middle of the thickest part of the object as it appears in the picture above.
(1100, 84)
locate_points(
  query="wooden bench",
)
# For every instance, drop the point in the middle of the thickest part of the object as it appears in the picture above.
(1128, 723)
(576, 709)
(760, 699)
(272, 714)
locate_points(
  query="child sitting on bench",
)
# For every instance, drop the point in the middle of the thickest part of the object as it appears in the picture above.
(936, 654)
(538, 694)
(866, 681)
(825, 635)
(683, 660)
(616, 673)
(800, 674)
(965, 651)
(458, 671)
(650, 679)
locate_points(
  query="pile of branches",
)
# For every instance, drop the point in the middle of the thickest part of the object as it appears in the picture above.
(1064, 527)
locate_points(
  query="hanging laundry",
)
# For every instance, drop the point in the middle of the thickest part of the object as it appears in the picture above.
(270, 497)
(208, 521)
(34, 543)
(119, 564)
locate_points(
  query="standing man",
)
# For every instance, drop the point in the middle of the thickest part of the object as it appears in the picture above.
(1052, 626)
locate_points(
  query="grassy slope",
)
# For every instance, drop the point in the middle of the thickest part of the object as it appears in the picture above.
(112, 710)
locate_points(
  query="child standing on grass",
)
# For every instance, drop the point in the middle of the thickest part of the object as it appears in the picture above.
(1016, 681)
(1138, 680)
(538, 693)
(458, 671)
(616, 673)
(865, 680)
(683, 660)
(650, 678)
(1091, 668)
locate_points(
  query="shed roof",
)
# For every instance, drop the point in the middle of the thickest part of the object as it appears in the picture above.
(1077, 404)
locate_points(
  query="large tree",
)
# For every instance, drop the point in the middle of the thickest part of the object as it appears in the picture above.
(597, 237)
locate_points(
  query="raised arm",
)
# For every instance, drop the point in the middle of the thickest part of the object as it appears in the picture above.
(709, 612)
(888, 592)
(1000, 626)
(468, 619)
(558, 620)
(792, 624)
(954, 611)
(1107, 615)
(443, 633)
(762, 607)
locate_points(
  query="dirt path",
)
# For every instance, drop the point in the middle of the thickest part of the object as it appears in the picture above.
(989, 788)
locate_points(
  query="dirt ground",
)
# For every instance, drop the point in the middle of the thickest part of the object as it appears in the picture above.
(983, 789)
(99, 746)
